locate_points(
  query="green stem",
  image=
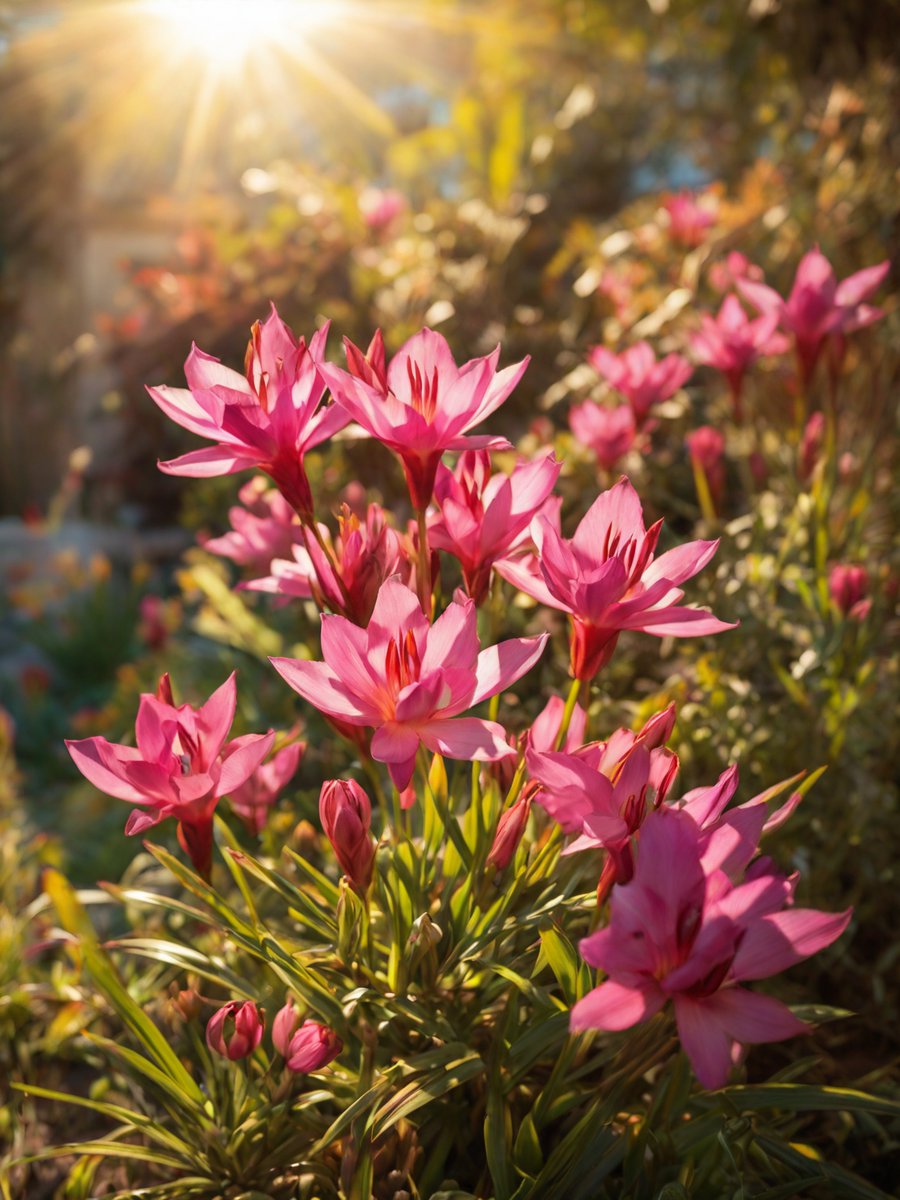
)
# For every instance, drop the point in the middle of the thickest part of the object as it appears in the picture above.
(571, 701)
(423, 574)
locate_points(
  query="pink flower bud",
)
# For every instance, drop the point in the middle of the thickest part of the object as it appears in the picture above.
(849, 586)
(811, 446)
(510, 829)
(312, 1047)
(285, 1025)
(346, 815)
(657, 731)
(236, 1029)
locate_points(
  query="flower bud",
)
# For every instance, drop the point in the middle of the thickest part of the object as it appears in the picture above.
(285, 1025)
(346, 814)
(657, 731)
(849, 586)
(235, 1030)
(312, 1047)
(187, 1004)
(510, 829)
(811, 446)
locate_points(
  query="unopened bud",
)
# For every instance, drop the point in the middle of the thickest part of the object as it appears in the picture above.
(510, 829)
(346, 815)
(235, 1030)
(657, 731)
(310, 1047)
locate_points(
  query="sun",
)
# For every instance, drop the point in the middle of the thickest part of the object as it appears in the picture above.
(227, 33)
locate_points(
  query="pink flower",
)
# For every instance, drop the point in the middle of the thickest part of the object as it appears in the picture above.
(307, 1047)
(180, 767)
(604, 791)
(235, 1030)
(422, 404)
(609, 432)
(346, 816)
(724, 274)
(731, 343)
(688, 220)
(636, 374)
(706, 447)
(379, 207)
(263, 527)
(849, 587)
(483, 517)
(408, 680)
(268, 420)
(252, 799)
(607, 579)
(346, 579)
(681, 930)
(818, 306)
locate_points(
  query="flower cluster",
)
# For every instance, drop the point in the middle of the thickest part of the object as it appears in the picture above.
(689, 910)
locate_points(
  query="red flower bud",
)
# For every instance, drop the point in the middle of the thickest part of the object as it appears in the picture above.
(311, 1047)
(849, 586)
(346, 815)
(510, 829)
(236, 1029)
(657, 731)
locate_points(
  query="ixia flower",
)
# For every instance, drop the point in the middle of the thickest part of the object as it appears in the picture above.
(482, 516)
(608, 580)
(181, 766)
(343, 575)
(639, 377)
(268, 418)
(235, 1030)
(818, 306)
(409, 680)
(731, 342)
(688, 219)
(263, 527)
(603, 791)
(682, 931)
(609, 432)
(252, 799)
(421, 404)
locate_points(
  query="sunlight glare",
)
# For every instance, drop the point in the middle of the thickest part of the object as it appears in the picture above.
(228, 32)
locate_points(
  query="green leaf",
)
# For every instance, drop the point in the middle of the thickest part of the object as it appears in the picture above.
(427, 1088)
(119, 1114)
(527, 1153)
(842, 1184)
(794, 1097)
(75, 920)
(571, 974)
